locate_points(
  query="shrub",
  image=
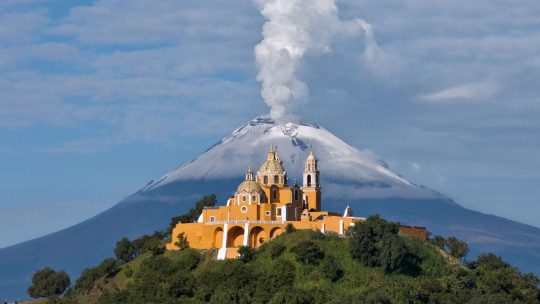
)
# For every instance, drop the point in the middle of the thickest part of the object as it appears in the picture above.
(47, 282)
(375, 242)
(438, 241)
(90, 275)
(246, 253)
(330, 269)
(189, 259)
(289, 228)
(182, 242)
(124, 250)
(276, 250)
(457, 248)
(307, 252)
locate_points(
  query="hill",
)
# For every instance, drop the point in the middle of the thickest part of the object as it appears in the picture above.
(348, 175)
(310, 267)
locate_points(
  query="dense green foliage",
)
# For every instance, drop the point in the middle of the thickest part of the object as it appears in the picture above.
(307, 252)
(376, 243)
(90, 275)
(124, 250)
(47, 283)
(246, 253)
(310, 267)
(194, 213)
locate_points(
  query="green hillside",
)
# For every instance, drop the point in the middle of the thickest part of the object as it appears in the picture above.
(372, 265)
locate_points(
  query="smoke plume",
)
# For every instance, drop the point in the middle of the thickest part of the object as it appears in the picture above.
(292, 29)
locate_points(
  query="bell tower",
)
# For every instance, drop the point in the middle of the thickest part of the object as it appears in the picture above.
(311, 188)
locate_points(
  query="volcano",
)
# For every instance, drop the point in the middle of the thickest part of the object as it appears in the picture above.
(348, 176)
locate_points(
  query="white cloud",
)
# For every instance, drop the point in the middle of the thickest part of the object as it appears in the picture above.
(469, 92)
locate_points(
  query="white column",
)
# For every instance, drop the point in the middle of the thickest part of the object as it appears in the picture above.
(246, 234)
(222, 253)
(341, 228)
(284, 213)
(323, 228)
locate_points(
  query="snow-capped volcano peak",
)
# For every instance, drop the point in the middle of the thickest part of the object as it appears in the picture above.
(364, 174)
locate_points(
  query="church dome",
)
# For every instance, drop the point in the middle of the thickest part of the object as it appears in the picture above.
(273, 164)
(249, 186)
(272, 167)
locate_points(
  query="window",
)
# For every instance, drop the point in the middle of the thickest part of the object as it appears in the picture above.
(212, 219)
(267, 213)
(285, 180)
(243, 198)
(278, 211)
(266, 180)
(276, 179)
(244, 209)
(309, 180)
(274, 194)
(295, 195)
(254, 198)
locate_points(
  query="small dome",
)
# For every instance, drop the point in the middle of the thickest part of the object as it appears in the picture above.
(249, 186)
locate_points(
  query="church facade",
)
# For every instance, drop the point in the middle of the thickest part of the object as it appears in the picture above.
(263, 205)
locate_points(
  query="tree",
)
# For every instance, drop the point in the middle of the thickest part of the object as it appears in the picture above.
(246, 253)
(392, 252)
(90, 275)
(47, 282)
(154, 246)
(182, 242)
(375, 242)
(438, 241)
(124, 250)
(307, 252)
(149, 243)
(457, 248)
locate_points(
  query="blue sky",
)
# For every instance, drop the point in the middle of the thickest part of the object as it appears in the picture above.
(99, 97)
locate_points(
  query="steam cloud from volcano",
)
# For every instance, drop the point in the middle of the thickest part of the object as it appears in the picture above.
(293, 28)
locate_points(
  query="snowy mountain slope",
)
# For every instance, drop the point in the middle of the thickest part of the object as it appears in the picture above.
(338, 161)
(348, 175)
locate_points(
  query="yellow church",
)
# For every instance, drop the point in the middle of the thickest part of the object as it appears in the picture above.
(262, 206)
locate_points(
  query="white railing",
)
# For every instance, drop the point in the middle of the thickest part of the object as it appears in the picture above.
(244, 221)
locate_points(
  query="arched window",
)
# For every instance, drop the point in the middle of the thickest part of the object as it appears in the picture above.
(254, 198)
(274, 193)
(276, 179)
(309, 180)
(285, 180)
(266, 180)
(295, 195)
